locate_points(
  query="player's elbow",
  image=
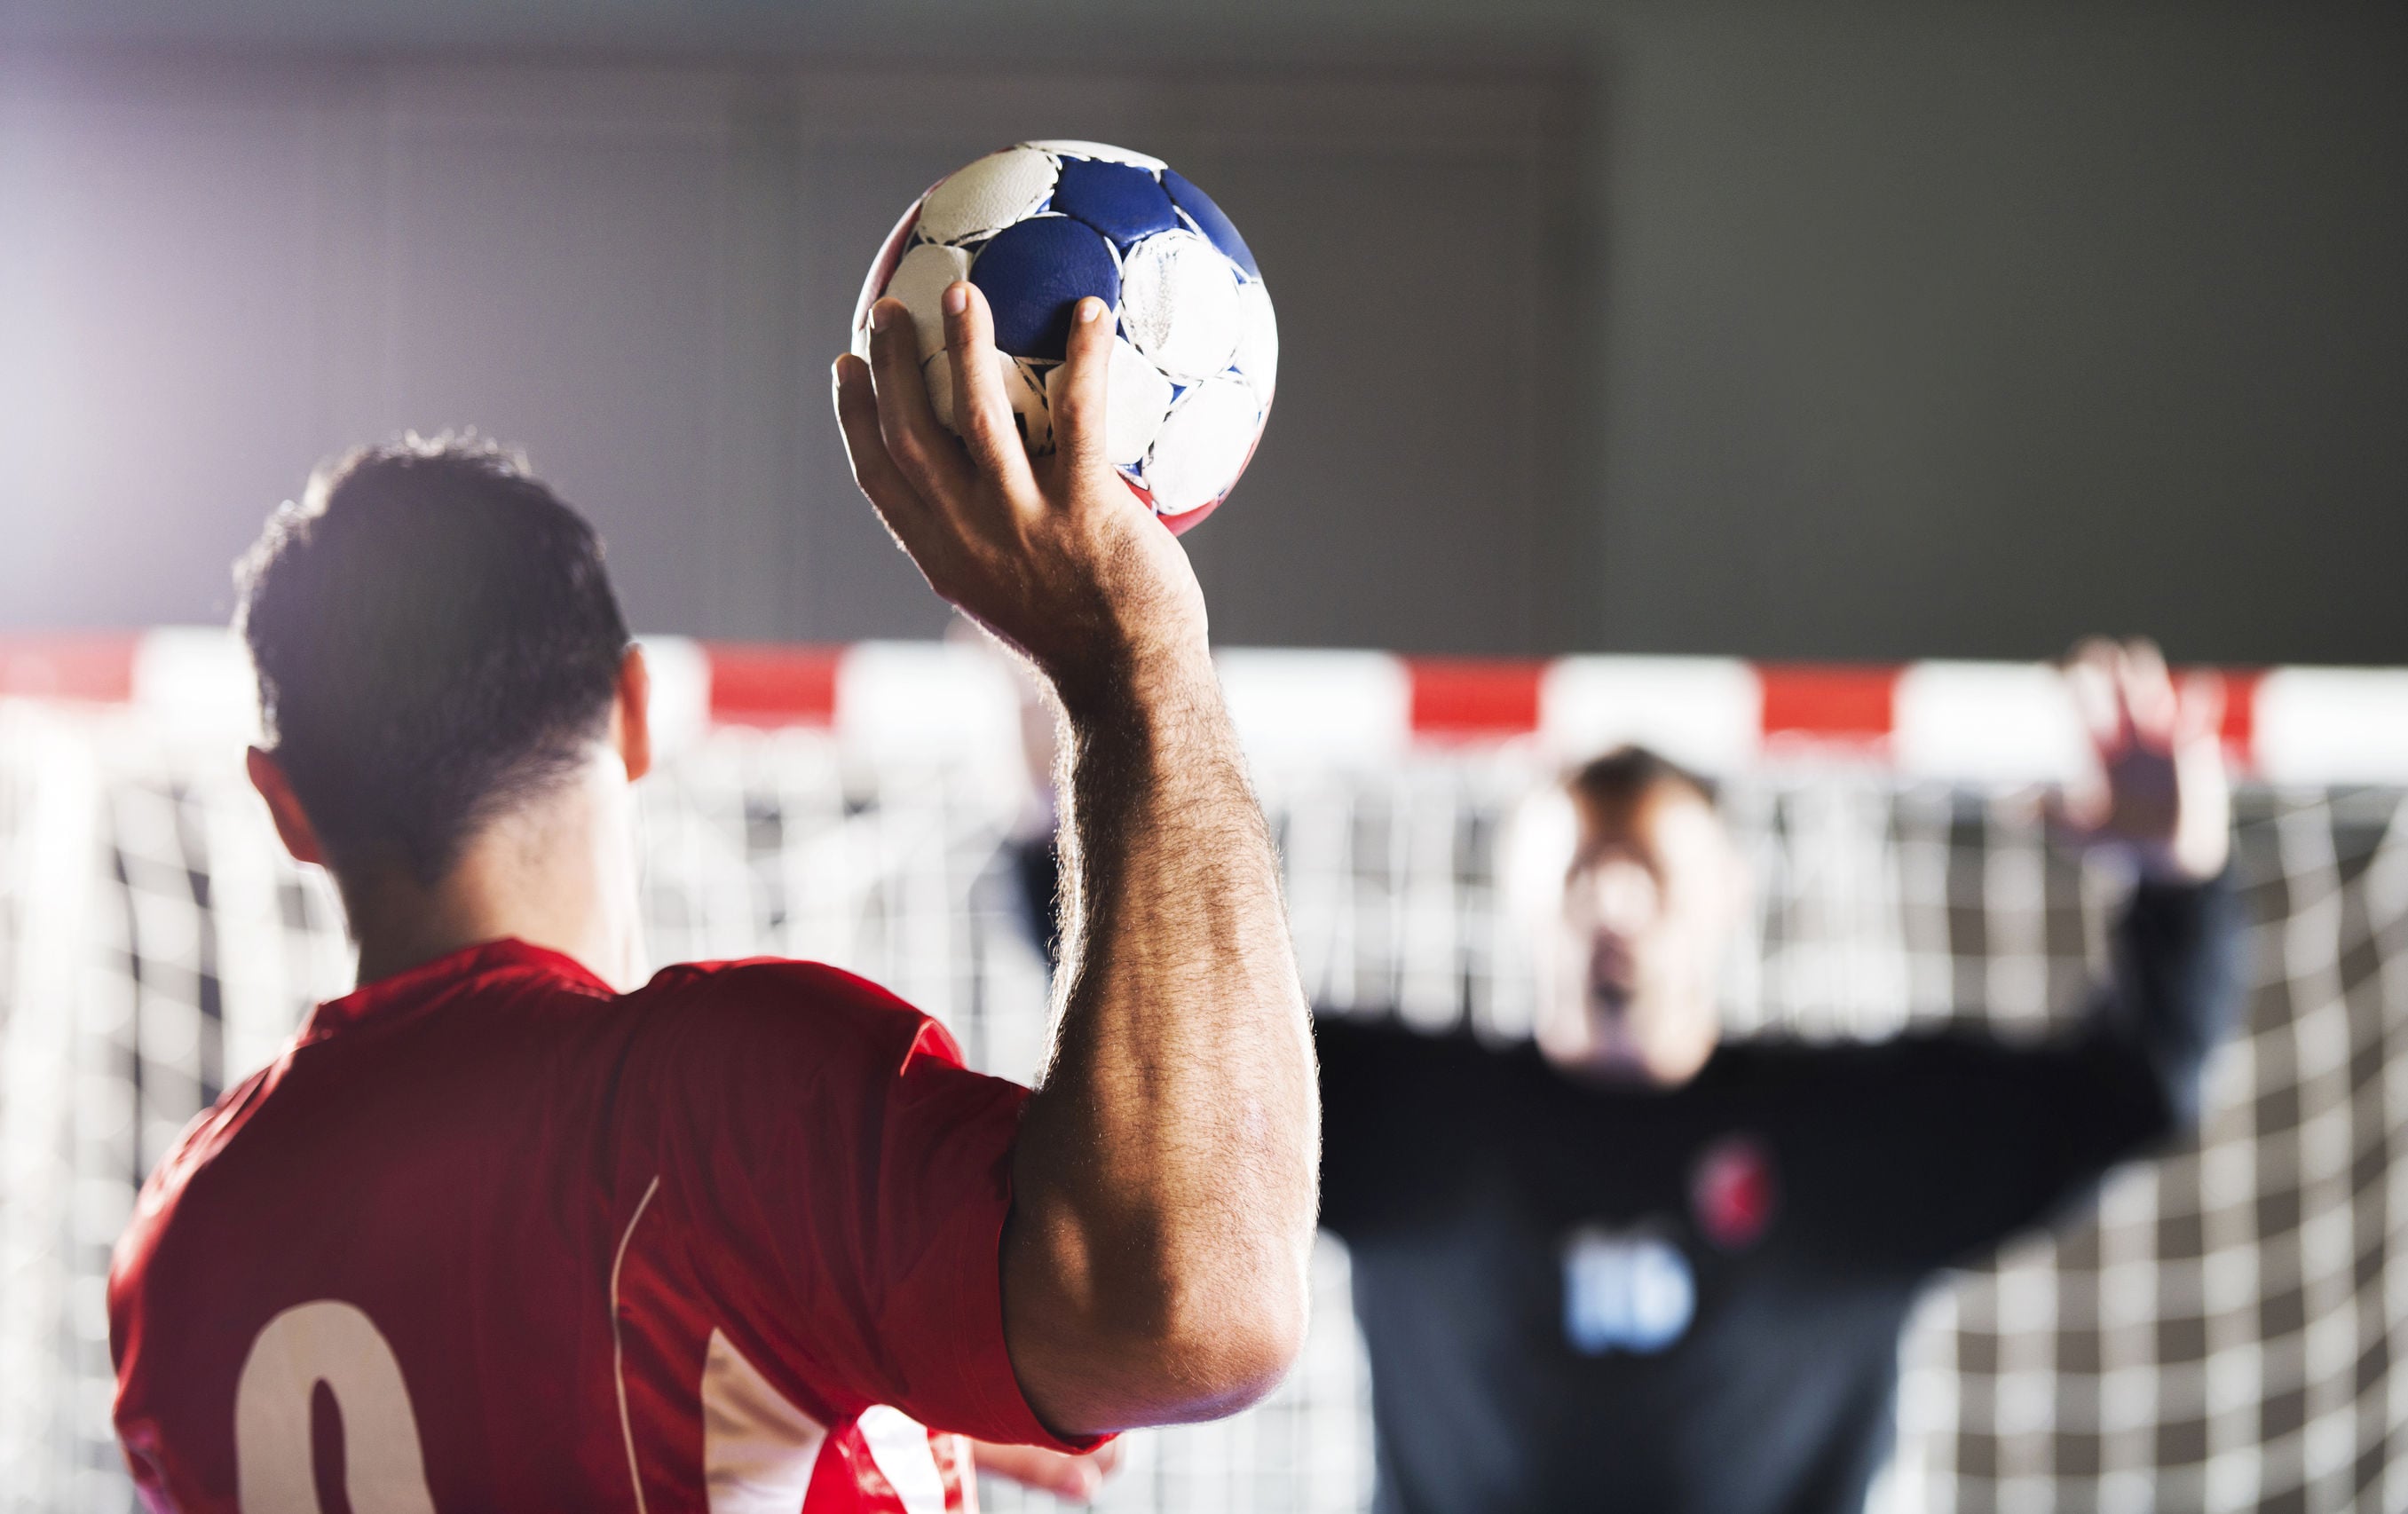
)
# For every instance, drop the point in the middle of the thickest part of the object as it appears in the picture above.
(2180, 1101)
(2173, 1091)
(1200, 1347)
(1156, 1334)
(1240, 1344)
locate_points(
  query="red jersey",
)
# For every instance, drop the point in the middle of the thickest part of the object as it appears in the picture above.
(491, 1236)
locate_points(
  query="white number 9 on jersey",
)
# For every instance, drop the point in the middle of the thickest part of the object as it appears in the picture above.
(334, 1343)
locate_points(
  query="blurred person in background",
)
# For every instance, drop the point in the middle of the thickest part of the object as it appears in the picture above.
(509, 1227)
(1633, 1265)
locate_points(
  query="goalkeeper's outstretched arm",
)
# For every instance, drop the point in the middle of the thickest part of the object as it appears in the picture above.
(2164, 802)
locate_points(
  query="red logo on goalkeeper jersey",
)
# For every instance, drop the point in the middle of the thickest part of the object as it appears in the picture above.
(1732, 1191)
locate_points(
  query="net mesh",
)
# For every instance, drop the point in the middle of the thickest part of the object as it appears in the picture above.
(2218, 1335)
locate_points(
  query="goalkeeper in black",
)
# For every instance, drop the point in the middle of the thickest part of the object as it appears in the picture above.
(1632, 1266)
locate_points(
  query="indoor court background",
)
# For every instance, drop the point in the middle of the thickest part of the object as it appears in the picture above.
(1838, 331)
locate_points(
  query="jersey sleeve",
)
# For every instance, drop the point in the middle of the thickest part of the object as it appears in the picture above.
(1950, 1143)
(1963, 1140)
(1389, 1100)
(1349, 1117)
(844, 1182)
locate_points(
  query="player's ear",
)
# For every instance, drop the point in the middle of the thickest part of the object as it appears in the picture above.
(284, 807)
(631, 719)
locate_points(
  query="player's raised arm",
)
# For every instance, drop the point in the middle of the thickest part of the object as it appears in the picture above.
(2011, 1133)
(1153, 1269)
(2164, 801)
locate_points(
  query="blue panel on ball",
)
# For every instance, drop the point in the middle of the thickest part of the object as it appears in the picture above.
(1119, 199)
(1033, 272)
(1210, 221)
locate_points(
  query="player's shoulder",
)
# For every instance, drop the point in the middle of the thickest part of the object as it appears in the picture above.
(204, 1139)
(783, 1002)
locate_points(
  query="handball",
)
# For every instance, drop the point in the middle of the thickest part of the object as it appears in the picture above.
(1041, 225)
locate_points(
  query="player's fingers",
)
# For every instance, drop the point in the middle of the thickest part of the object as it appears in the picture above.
(1074, 1478)
(1080, 390)
(892, 494)
(2057, 817)
(2199, 705)
(865, 444)
(2090, 680)
(2148, 692)
(919, 447)
(981, 408)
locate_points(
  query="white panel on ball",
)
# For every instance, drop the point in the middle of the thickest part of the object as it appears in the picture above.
(1202, 445)
(988, 195)
(920, 282)
(1257, 355)
(1180, 304)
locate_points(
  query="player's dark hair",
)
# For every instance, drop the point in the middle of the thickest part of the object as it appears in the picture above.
(1616, 782)
(434, 635)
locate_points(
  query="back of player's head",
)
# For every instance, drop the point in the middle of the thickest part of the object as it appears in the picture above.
(435, 641)
(1607, 788)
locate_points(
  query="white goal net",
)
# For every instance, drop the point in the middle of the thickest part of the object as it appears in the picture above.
(2219, 1334)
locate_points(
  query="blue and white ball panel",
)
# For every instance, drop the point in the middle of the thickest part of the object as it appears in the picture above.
(1033, 272)
(1070, 147)
(1208, 219)
(988, 195)
(1257, 357)
(1022, 385)
(920, 281)
(1204, 441)
(1120, 200)
(1180, 304)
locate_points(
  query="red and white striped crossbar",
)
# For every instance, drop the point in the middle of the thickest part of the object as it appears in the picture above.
(1958, 720)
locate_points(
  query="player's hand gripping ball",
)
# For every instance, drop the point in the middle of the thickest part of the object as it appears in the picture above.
(1039, 226)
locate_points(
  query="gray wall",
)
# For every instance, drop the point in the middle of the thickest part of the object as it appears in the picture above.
(1889, 329)
(1959, 330)
(226, 269)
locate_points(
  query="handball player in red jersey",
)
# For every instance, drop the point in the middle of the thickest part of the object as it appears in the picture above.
(507, 1229)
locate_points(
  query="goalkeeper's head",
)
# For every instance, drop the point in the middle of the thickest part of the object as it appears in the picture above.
(1631, 888)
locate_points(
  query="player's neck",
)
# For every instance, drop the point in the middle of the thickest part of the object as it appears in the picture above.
(557, 873)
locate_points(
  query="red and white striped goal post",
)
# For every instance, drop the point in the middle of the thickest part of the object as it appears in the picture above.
(1966, 721)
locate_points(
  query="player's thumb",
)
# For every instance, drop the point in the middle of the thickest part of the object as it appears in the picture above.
(2199, 703)
(1080, 386)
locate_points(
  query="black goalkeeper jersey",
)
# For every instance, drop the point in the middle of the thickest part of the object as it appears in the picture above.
(1585, 1298)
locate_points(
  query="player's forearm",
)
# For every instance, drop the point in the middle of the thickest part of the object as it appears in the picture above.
(1164, 1183)
(2178, 985)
